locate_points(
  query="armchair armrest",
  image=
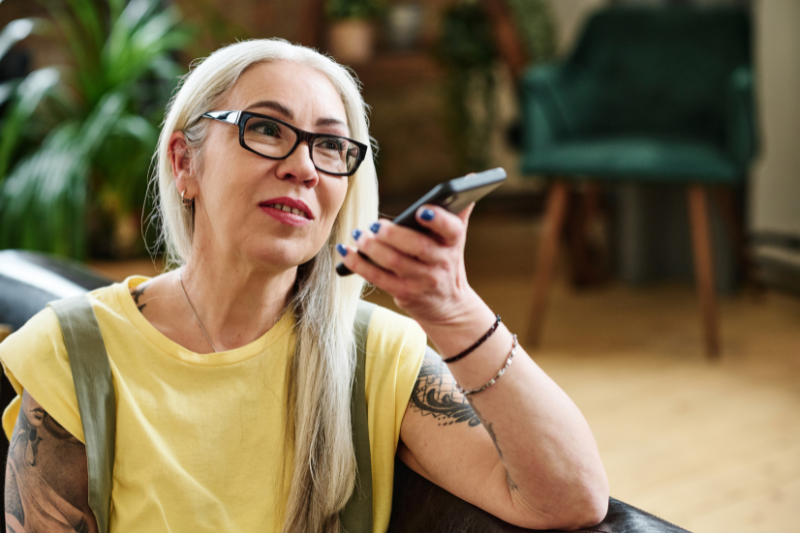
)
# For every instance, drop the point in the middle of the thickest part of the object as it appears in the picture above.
(740, 128)
(557, 103)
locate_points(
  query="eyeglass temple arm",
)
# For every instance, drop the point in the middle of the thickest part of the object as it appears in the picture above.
(231, 117)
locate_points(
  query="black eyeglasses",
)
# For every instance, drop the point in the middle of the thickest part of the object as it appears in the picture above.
(275, 139)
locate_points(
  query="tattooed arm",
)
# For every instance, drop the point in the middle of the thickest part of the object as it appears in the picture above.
(47, 483)
(446, 439)
(543, 470)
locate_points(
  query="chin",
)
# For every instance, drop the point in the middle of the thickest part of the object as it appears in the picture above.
(277, 257)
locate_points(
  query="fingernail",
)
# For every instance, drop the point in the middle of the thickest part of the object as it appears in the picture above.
(427, 215)
(341, 249)
(356, 234)
(375, 227)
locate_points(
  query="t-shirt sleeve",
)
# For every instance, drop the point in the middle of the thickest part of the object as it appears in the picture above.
(395, 350)
(35, 359)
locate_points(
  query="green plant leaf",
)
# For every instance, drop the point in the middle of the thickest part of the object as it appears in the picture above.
(42, 202)
(354, 9)
(101, 121)
(29, 93)
(89, 18)
(14, 32)
(139, 39)
(90, 138)
(7, 90)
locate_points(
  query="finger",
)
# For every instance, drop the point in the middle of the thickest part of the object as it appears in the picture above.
(390, 258)
(419, 246)
(449, 227)
(375, 275)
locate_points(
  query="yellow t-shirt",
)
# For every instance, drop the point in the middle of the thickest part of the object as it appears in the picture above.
(199, 442)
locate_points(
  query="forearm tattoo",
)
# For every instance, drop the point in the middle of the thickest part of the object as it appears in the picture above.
(490, 431)
(46, 476)
(435, 394)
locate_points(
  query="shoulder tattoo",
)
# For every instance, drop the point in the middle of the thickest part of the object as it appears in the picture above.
(137, 293)
(435, 394)
(46, 475)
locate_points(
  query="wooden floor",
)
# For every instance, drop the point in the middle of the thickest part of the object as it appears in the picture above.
(712, 447)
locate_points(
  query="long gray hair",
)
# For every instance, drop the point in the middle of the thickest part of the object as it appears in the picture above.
(319, 427)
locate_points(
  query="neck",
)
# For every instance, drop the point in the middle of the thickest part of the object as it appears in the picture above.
(236, 302)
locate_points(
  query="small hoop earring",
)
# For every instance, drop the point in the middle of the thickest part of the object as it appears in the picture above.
(186, 201)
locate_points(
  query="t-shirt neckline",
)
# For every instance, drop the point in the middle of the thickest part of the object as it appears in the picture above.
(175, 350)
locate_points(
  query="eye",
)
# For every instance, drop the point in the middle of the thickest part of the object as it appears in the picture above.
(264, 127)
(333, 144)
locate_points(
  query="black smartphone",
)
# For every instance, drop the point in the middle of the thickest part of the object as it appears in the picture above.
(454, 195)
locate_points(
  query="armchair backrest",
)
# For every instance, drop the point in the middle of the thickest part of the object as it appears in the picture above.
(661, 70)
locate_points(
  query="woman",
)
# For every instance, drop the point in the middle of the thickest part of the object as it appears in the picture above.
(231, 371)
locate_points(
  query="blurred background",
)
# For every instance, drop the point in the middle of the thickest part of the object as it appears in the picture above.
(646, 244)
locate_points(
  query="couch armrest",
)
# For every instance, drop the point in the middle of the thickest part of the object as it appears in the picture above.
(557, 103)
(740, 127)
(420, 505)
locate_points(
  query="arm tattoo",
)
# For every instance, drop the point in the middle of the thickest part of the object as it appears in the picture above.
(46, 476)
(435, 394)
(511, 484)
(12, 499)
(490, 431)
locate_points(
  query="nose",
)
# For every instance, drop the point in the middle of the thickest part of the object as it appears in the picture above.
(299, 166)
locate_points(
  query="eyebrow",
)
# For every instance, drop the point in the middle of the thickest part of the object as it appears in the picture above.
(285, 111)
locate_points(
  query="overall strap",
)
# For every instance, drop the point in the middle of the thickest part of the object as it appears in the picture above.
(356, 517)
(94, 389)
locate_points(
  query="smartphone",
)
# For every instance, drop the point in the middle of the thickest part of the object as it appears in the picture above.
(454, 195)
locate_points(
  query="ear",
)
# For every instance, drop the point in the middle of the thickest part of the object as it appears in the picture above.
(181, 162)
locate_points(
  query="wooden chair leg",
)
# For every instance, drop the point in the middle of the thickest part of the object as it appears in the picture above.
(586, 256)
(548, 252)
(704, 268)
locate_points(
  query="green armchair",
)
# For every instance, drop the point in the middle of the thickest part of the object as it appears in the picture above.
(651, 95)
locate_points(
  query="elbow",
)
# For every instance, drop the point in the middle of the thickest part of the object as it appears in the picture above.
(592, 512)
(585, 513)
(582, 506)
(591, 504)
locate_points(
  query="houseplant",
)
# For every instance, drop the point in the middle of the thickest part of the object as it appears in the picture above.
(77, 139)
(467, 50)
(351, 37)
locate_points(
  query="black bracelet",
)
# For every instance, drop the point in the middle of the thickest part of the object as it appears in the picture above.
(480, 341)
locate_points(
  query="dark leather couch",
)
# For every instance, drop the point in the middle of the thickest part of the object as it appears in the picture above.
(28, 281)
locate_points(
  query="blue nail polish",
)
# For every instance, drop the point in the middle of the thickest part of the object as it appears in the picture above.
(341, 249)
(356, 234)
(375, 227)
(427, 215)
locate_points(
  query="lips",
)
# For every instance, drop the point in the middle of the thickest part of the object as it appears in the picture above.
(289, 205)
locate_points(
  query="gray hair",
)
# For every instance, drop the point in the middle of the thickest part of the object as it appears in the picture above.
(318, 423)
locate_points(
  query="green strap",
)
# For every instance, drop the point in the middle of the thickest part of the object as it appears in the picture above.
(91, 375)
(356, 517)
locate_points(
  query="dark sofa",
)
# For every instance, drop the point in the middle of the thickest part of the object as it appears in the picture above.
(28, 281)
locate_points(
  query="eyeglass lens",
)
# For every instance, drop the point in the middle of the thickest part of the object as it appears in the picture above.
(271, 138)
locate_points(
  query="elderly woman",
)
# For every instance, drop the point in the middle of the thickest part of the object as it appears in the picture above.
(231, 371)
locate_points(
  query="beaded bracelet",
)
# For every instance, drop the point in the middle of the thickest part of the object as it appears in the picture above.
(502, 371)
(469, 350)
